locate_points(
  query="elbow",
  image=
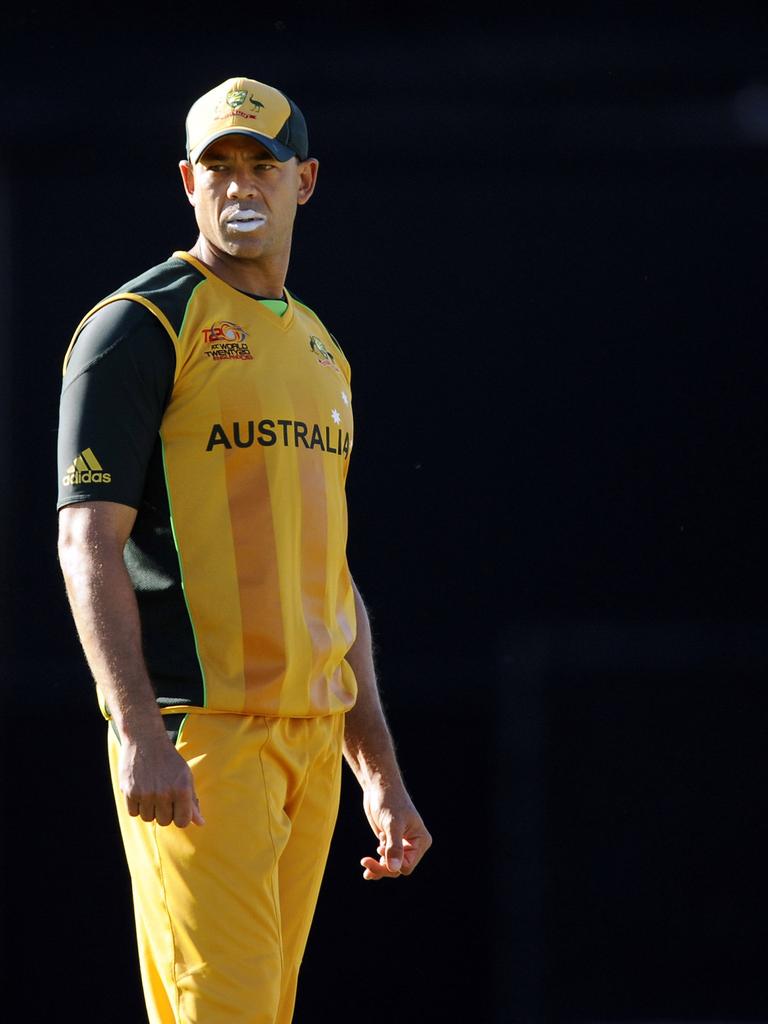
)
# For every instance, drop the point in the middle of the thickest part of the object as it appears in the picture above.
(78, 539)
(69, 547)
(92, 536)
(65, 537)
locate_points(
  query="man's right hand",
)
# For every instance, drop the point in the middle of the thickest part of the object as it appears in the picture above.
(157, 783)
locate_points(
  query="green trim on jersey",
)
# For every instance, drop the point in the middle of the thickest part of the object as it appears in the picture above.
(181, 728)
(305, 306)
(300, 303)
(276, 306)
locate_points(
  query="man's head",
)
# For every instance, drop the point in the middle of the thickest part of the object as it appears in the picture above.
(246, 173)
(243, 106)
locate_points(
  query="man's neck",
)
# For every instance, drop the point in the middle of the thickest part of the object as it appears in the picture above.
(264, 277)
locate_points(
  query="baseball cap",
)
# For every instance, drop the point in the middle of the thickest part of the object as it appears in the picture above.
(243, 106)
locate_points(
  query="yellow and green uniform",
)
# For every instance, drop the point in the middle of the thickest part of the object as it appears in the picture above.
(229, 428)
(226, 422)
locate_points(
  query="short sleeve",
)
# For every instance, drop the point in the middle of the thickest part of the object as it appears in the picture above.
(117, 384)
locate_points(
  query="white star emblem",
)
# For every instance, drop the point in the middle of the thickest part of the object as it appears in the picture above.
(336, 416)
(344, 398)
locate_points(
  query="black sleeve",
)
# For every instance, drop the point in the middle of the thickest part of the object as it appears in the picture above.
(116, 386)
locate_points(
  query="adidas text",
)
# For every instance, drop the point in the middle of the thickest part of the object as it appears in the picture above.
(86, 477)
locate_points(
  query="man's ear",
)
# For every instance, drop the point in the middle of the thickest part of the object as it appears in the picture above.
(188, 178)
(307, 179)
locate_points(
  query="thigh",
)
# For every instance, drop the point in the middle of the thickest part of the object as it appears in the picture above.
(209, 896)
(312, 807)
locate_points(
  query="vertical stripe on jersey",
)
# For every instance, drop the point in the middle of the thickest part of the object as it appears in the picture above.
(315, 589)
(257, 577)
(286, 495)
(181, 572)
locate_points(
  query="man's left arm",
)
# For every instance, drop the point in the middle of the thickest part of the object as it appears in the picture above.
(370, 753)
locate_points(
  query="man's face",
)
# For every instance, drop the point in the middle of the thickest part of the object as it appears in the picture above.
(245, 200)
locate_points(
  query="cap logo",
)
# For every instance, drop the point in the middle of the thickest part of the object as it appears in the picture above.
(249, 107)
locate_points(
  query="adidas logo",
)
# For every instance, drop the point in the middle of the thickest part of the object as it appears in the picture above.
(86, 469)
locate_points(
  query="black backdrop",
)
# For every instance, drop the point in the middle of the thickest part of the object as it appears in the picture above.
(541, 241)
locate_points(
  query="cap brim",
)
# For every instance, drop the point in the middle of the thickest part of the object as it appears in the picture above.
(277, 149)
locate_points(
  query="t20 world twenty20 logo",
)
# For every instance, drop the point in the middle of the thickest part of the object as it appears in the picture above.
(226, 340)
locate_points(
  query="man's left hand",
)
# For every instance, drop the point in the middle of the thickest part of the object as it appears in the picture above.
(403, 836)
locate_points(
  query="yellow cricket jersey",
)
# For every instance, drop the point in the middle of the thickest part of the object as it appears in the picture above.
(229, 429)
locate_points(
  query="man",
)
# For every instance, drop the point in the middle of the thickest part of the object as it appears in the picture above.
(204, 440)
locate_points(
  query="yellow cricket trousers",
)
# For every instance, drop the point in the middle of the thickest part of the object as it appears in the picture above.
(223, 910)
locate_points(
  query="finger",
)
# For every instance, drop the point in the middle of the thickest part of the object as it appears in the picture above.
(182, 808)
(414, 848)
(133, 806)
(372, 869)
(182, 813)
(147, 810)
(197, 816)
(163, 811)
(187, 810)
(393, 853)
(376, 869)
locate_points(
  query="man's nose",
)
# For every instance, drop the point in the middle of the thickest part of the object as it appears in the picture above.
(242, 185)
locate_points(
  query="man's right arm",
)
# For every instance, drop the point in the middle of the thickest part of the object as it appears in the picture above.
(154, 778)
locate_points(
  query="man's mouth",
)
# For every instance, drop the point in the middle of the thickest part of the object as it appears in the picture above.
(245, 220)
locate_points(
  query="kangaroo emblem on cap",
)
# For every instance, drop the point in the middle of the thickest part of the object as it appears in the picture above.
(257, 103)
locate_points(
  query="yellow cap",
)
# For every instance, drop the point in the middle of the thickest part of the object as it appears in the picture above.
(243, 106)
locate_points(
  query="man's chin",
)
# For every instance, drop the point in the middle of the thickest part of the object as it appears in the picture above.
(244, 248)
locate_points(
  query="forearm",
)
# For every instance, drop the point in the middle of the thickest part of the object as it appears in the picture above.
(368, 746)
(402, 837)
(106, 616)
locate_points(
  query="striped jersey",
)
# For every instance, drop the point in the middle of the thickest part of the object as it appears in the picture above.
(228, 427)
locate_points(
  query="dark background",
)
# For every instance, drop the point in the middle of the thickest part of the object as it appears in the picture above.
(541, 240)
